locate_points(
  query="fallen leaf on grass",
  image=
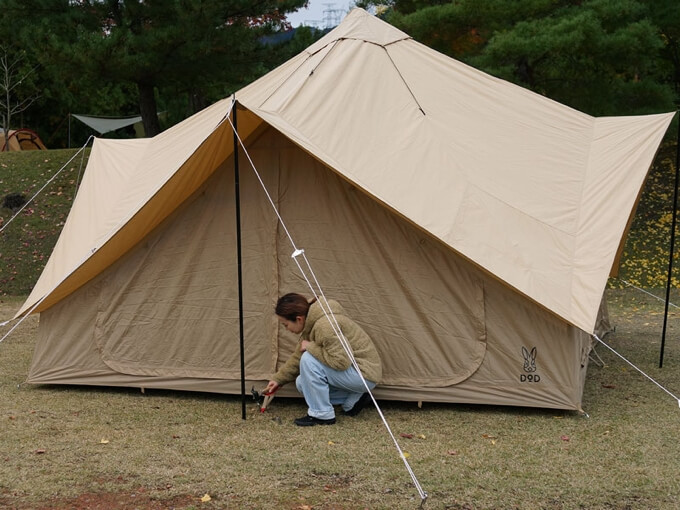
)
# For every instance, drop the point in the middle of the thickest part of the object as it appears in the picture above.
(39, 451)
(407, 455)
(104, 441)
(331, 443)
(206, 498)
(565, 438)
(421, 436)
(610, 386)
(490, 437)
(407, 436)
(452, 452)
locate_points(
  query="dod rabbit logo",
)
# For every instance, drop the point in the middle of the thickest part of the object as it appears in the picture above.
(529, 375)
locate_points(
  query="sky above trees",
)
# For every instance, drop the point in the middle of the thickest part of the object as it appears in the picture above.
(314, 13)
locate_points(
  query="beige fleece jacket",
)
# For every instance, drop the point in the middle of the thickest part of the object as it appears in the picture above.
(326, 347)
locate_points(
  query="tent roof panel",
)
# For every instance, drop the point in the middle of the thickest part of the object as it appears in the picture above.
(504, 176)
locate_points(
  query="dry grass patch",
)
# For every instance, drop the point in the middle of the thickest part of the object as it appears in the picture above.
(84, 447)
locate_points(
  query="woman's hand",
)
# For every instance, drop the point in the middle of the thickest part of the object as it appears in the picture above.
(303, 345)
(272, 386)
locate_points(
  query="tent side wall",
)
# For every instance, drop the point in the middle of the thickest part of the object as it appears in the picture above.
(165, 315)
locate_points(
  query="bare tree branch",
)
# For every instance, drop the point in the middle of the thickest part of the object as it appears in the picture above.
(12, 76)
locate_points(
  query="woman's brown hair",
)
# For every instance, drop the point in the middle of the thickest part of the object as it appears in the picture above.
(292, 306)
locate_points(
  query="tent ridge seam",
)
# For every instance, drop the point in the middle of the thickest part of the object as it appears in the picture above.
(403, 79)
(290, 75)
(588, 161)
(520, 211)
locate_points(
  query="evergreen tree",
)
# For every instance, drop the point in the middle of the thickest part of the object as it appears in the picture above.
(666, 16)
(604, 57)
(184, 46)
(461, 28)
(601, 57)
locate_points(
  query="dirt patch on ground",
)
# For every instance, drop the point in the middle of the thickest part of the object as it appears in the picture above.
(137, 500)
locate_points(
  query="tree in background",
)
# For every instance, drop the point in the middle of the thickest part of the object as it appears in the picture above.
(17, 80)
(665, 14)
(603, 57)
(15, 74)
(196, 48)
(459, 29)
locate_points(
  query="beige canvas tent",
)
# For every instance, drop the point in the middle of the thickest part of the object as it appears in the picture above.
(469, 225)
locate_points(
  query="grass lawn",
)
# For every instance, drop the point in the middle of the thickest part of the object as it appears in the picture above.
(30, 234)
(77, 448)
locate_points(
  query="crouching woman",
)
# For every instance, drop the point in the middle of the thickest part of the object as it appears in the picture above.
(320, 367)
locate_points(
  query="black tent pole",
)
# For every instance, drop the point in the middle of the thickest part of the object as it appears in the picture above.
(237, 192)
(670, 258)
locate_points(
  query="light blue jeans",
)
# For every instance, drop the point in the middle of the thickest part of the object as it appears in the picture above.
(324, 387)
